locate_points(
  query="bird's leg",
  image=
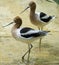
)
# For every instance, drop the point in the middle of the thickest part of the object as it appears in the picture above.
(39, 28)
(24, 56)
(40, 39)
(27, 52)
(40, 43)
(30, 47)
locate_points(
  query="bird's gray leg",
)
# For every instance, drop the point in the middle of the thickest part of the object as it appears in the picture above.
(40, 43)
(40, 39)
(39, 28)
(30, 47)
(28, 52)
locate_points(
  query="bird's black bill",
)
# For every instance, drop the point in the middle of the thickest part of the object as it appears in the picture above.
(24, 10)
(8, 24)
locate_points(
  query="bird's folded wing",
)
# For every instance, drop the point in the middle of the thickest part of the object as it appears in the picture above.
(33, 34)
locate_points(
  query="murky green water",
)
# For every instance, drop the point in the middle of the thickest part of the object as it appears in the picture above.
(11, 50)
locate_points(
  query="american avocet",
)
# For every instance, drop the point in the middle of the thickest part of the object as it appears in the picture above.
(39, 19)
(25, 34)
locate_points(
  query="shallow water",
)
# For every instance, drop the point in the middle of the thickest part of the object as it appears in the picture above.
(11, 50)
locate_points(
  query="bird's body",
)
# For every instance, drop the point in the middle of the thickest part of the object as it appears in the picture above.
(25, 34)
(40, 19)
(36, 20)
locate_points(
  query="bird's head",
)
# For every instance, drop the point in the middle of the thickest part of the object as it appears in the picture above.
(17, 20)
(32, 6)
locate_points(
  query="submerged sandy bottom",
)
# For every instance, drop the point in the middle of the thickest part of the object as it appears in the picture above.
(11, 50)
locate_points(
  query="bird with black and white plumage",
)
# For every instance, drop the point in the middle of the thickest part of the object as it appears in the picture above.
(39, 19)
(25, 34)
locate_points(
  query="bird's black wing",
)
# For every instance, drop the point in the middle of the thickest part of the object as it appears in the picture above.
(33, 33)
(25, 29)
(44, 17)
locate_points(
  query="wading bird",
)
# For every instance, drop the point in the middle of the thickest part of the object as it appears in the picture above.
(25, 34)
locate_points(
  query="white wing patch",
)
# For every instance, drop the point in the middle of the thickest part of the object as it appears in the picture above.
(45, 17)
(38, 17)
(30, 32)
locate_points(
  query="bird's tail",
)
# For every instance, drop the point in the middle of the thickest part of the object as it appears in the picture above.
(46, 32)
(53, 17)
(43, 33)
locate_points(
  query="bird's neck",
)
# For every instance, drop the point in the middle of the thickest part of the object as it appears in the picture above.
(14, 30)
(32, 14)
(16, 26)
(32, 11)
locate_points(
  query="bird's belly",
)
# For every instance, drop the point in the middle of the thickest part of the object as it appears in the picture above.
(38, 23)
(21, 39)
(25, 40)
